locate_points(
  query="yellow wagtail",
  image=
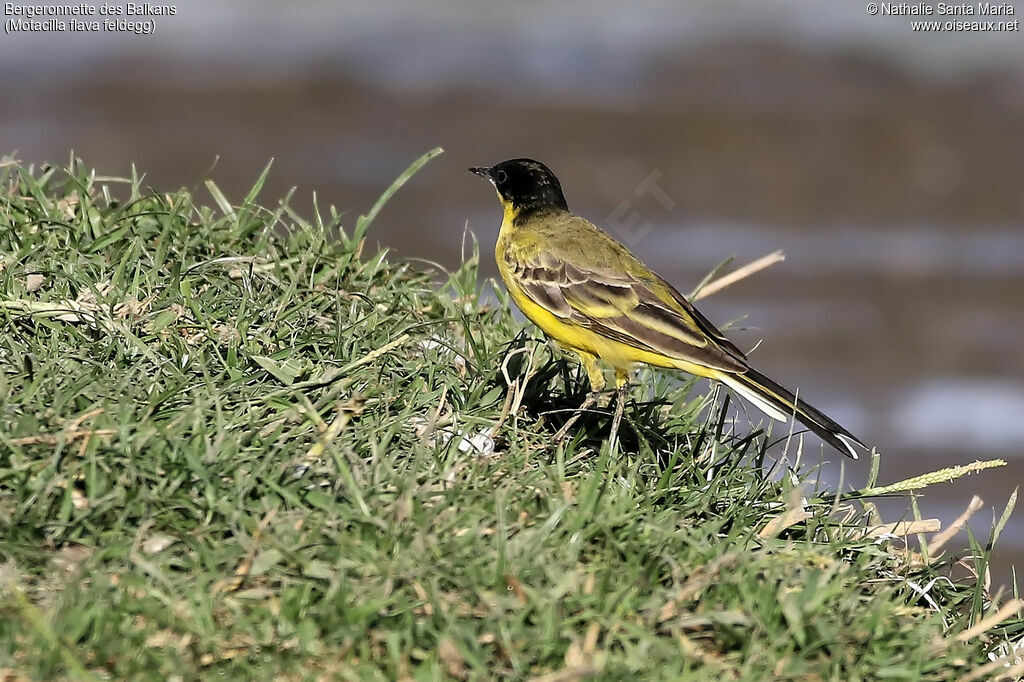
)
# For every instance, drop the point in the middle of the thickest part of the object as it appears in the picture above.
(591, 295)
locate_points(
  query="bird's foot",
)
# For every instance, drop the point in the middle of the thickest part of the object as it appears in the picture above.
(590, 400)
(620, 403)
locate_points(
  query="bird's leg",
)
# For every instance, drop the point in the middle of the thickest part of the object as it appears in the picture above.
(621, 391)
(596, 377)
(584, 406)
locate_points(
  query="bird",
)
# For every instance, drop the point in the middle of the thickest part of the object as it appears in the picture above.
(592, 296)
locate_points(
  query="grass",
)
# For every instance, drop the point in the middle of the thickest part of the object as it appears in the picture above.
(238, 443)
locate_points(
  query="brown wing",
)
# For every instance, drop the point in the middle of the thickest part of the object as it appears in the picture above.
(704, 323)
(644, 314)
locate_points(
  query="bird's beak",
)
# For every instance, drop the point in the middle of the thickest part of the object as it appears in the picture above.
(484, 173)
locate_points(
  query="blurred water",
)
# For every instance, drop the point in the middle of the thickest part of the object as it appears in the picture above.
(982, 415)
(538, 45)
(984, 251)
(886, 164)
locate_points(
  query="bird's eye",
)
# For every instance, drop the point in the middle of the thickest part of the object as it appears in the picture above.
(500, 177)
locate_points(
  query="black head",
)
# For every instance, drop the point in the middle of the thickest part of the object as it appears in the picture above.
(525, 184)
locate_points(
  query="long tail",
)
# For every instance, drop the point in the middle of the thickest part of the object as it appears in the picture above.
(780, 403)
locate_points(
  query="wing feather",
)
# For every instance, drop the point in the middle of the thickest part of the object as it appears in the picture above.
(705, 325)
(625, 309)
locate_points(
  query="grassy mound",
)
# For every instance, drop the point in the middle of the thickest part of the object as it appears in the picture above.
(236, 442)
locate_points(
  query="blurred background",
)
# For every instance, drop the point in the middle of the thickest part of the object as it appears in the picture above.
(885, 163)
